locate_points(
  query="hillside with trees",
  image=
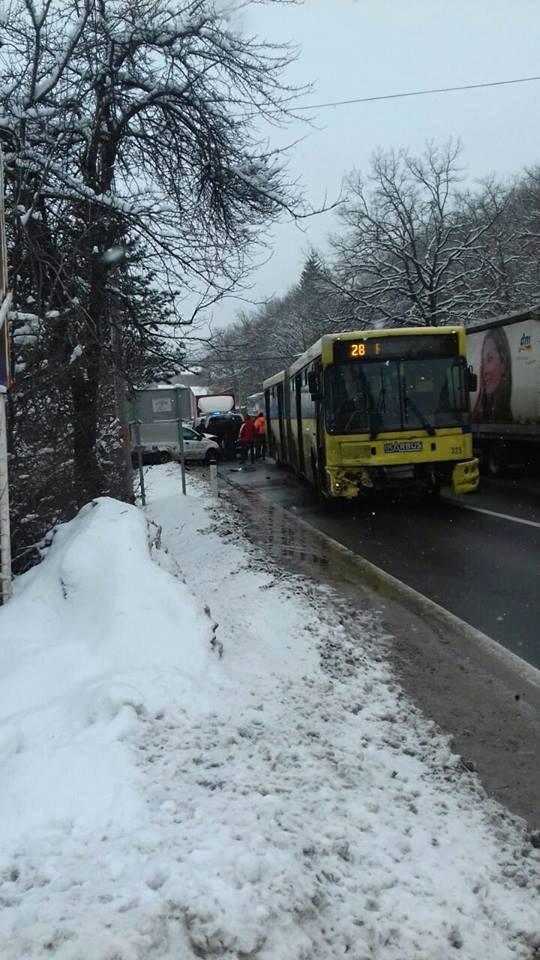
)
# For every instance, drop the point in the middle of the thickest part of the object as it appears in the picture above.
(414, 246)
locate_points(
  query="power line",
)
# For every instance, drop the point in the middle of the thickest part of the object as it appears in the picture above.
(417, 93)
(235, 359)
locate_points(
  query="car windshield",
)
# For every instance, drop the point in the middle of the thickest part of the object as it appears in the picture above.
(393, 395)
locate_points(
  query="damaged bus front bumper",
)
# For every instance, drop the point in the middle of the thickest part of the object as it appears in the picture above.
(351, 482)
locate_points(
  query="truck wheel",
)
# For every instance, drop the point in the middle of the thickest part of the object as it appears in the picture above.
(495, 462)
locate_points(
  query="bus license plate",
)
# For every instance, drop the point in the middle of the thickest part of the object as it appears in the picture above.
(403, 446)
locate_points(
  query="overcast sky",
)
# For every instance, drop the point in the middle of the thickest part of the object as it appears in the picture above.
(357, 48)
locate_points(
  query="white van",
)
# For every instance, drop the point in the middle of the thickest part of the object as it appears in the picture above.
(159, 443)
(200, 446)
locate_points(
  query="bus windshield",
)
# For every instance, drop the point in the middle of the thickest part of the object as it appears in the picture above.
(377, 397)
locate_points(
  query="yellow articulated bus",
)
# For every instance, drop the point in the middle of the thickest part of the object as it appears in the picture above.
(376, 409)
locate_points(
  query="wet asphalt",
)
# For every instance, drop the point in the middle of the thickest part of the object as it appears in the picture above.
(481, 567)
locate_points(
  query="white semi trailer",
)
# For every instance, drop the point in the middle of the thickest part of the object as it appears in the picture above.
(504, 353)
(157, 415)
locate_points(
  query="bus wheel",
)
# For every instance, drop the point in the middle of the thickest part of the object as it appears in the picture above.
(319, 480)
(326, 501)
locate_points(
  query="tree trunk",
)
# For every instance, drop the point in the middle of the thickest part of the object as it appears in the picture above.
(88, 479)
(85, 385)
(120, 391)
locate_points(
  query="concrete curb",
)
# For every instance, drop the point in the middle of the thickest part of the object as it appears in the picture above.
(441, 620)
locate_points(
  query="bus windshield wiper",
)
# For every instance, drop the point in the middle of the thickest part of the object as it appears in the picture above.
(423, 420)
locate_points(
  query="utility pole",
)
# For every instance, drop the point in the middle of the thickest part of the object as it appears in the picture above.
(5, 534)
(180, 423)
(121, 403)
(5, 304)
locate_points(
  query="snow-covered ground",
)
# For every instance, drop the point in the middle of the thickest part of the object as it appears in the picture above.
(201, 758)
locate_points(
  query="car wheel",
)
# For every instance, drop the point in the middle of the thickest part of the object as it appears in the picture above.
(211, 457)
(164, 456)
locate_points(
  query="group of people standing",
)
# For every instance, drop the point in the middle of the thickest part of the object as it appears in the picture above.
(252, 438)
(236, 435)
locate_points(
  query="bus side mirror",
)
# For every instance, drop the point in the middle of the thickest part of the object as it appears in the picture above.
(472, 381)
(314, 385)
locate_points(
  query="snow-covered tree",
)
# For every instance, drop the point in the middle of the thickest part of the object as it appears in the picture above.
(406, 242)
(418, 248)
(261, 342)
(133, 135)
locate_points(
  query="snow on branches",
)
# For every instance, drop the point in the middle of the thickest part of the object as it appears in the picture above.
(137, 174)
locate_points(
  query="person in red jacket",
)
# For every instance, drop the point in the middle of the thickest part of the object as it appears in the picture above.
(247, 439)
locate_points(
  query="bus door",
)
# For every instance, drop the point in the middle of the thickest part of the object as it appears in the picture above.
(319, 414)
(268, 405)
(281, 421)
(289, 414)
(300, 432)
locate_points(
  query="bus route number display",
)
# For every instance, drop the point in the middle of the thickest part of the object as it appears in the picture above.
(400, 347)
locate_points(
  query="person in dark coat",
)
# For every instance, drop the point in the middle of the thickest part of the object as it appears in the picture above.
(230, 436)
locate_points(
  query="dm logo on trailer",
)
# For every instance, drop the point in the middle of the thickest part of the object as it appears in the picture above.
(525, 343)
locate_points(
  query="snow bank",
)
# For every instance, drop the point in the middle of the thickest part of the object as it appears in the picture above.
(97, 643)
(342, 825)
(283, 801)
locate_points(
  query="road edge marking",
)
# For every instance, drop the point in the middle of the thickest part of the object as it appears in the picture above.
(380, 580)
(493, 513)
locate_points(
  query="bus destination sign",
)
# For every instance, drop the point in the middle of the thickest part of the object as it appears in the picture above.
(399, 347)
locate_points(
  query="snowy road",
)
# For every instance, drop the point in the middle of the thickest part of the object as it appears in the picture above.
(284, 800)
